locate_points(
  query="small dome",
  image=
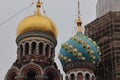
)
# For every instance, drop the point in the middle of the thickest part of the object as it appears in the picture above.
(79, 48)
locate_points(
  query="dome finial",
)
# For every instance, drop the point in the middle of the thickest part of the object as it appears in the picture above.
(38, 5)
(79, 22)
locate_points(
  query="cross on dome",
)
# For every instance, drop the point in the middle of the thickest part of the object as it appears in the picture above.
(38, 6)
(79, 22)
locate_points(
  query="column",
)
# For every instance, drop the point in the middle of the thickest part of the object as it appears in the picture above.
(90, 77)
(83, 76)
(18, 52)
(30, 48)
(75, 77)
(49, 53)
(44, 46)
(37, 48)
(23, 49)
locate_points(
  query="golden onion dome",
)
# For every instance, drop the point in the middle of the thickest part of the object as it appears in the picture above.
(37, 22)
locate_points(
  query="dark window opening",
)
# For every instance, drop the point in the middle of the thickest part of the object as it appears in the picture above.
(72, 77)
(50, 77)
(40, 48)
(87, 77)
(31, 75)
(33, 48)
(47, 50)
(26, 48)
(92, 77)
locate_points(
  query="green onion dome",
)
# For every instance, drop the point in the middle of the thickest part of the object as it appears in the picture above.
(79, 48)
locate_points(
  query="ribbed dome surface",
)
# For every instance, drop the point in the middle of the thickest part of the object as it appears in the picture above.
(79, 48)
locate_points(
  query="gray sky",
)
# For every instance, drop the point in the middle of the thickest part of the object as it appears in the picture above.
(62, 12)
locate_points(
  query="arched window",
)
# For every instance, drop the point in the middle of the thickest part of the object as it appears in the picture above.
(87, 77)
(31, 75)
(26, 48)
(72, 77)
(21, 50)
(47, 50)
(33, 48)
(40, 48)
(80, 76)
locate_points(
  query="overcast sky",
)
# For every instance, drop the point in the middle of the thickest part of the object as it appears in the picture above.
(62, 12)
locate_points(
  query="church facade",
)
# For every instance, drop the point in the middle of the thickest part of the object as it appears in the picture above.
(80, 56)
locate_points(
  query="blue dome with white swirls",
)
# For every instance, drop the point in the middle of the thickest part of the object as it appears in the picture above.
(79, 48)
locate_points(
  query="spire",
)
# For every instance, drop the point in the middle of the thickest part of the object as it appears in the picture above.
(38, 6)
(79, 22)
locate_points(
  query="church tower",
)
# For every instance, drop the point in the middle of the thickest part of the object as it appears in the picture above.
(79, 55)
(36, 42)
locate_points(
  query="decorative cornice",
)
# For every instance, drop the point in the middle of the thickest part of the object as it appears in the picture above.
(78, 64)
(36, 34)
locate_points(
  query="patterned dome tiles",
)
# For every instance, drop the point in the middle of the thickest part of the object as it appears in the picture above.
(80, 48)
